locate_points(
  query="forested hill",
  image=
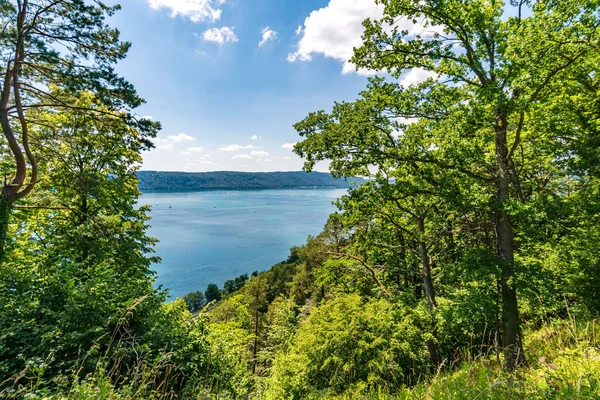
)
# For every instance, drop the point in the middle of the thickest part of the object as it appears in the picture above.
(157, 180)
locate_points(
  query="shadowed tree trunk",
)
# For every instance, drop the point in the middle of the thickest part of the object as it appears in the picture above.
(428, 286)
(5, 208)
(513, 349)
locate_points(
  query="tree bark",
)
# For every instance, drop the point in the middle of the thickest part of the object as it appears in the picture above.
(426, 268)
(5, 208)
(512, 344)
(428, 286)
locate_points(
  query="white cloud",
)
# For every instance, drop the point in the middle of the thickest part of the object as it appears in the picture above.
(241, 157)
(148, 117)
(288, 146)
(192, 150)
(335, 30)
(350, 68)
(255, 137)
(167, 143)
(195, 10)
(416, 76)
(299, 30)
(236, 147)
(267, 35)
(259, 154)
(182, 137)
(221, 35)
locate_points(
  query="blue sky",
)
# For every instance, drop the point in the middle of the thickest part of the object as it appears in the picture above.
(226, 102)
(229, 78)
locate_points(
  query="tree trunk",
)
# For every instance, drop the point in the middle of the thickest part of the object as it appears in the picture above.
(513, 350)
(5, 208)
(426, 267)
(428, 286)
(255, 349)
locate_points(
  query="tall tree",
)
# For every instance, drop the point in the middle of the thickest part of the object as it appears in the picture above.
(83, 255)
(489, 71)
(255, 295)
(48, 44)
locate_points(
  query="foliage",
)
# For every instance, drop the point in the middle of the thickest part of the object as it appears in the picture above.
(477, 137)
(212, 292)
(82, 256)
(49, 52)
(347, 344)
(235, 284)
(480, 221)
(194, 301)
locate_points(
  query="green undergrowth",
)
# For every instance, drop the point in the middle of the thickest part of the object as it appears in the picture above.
(563, 362)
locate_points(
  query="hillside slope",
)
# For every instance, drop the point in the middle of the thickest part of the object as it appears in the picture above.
(230, 180)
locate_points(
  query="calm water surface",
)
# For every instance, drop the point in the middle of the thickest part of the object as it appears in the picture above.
(212, 236)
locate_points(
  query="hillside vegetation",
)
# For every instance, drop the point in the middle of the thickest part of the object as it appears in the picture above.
(467, 267)
(228, 180)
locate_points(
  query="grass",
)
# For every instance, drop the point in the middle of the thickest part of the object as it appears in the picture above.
(563, 362)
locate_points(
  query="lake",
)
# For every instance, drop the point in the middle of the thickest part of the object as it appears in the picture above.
(212, 236)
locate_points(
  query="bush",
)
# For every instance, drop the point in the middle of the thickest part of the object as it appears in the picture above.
(347, 344)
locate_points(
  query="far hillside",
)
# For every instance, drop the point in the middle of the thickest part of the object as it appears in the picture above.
(156, 180)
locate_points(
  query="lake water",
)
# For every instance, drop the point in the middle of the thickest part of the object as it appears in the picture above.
(212, 236)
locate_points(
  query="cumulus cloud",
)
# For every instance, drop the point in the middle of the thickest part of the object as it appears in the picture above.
(236, 147)
(336, 29)
(416, 76)
(241, 157)
(182, 137)
(267, 35)
(288, 146)
(195, 10)
(259, 153)
(221, 35)
(255, 137)
(148, 117)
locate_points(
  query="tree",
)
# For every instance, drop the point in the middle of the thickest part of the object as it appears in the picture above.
(44, 45)
(255, 295)
(489, 74)
(212, 292)
(83, 255)
(236, 284)
(346, 345)
(400, 212)
(194, 300)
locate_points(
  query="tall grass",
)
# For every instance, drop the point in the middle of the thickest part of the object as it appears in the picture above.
(563, 362)
(115, 373)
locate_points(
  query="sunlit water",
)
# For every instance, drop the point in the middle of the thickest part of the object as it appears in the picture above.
(212, 236)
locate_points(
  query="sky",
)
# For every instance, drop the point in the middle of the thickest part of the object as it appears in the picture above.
(229, 78)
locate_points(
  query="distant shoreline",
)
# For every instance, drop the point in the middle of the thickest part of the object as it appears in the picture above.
(162, 181)
(240, 189)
